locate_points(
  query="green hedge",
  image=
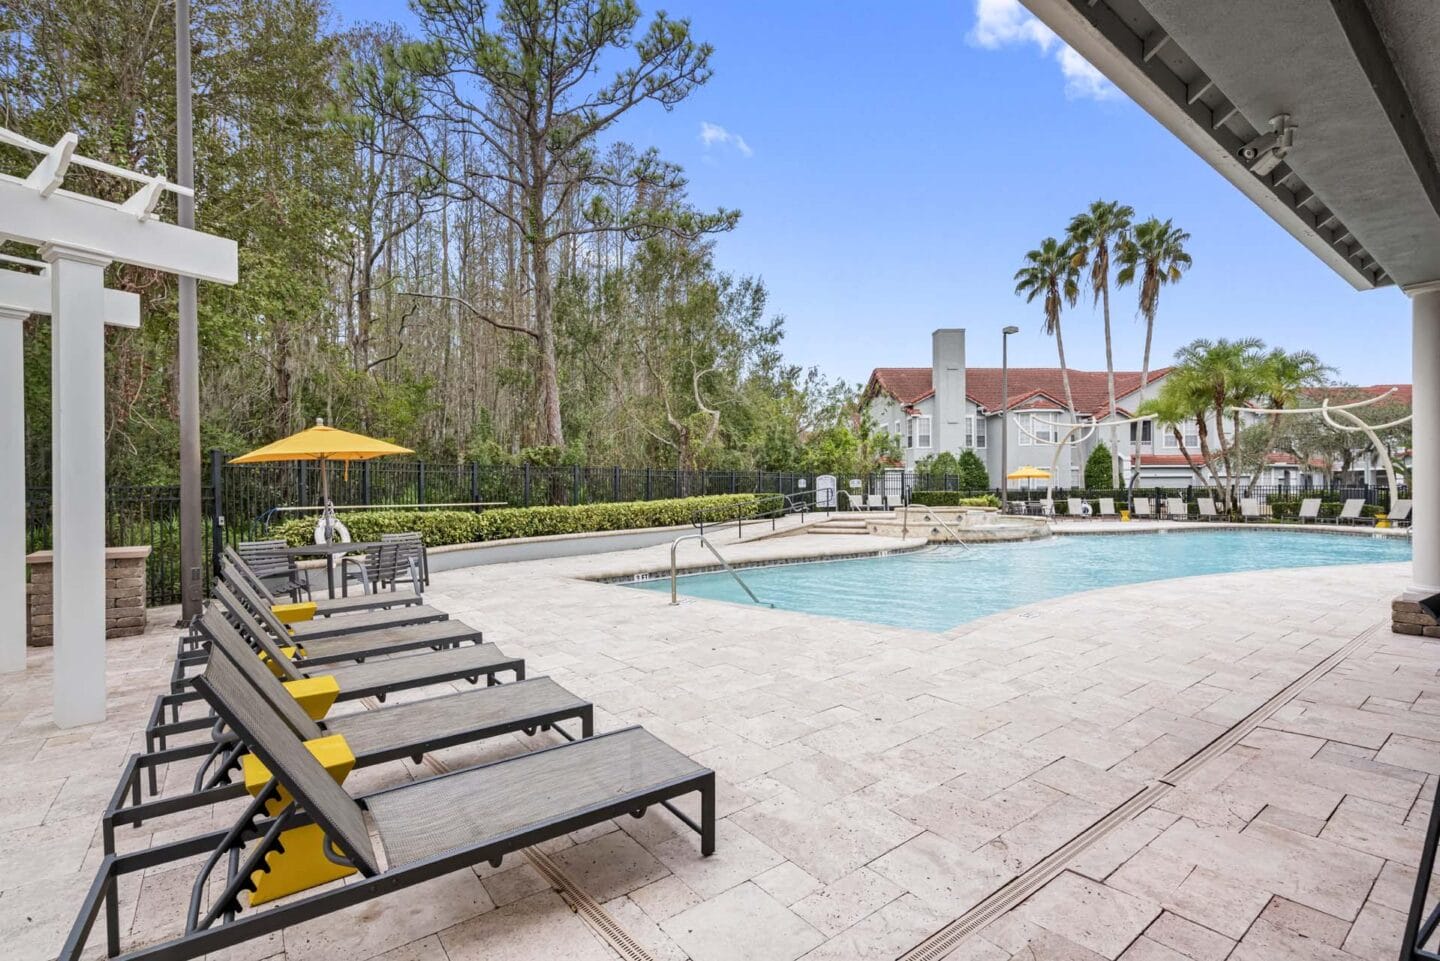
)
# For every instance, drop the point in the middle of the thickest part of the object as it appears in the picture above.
(952, 499)
(441, 527)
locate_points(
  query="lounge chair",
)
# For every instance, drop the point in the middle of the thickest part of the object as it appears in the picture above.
(411, 730)
(1250, 509)
(1176, 510)
(1399, 515)
(1075, 507)
(1309, 512)
(428, 829)
(1206, 507)
(1352, 512)
(325, 606)
(1107, 509)
(1143, 508)
(326, 626)
(353, 646)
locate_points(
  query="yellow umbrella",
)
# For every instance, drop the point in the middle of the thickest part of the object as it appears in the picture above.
(323, 444)
(1029, 473)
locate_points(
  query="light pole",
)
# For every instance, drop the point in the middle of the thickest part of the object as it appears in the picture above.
(188, 372)
(1005, 415)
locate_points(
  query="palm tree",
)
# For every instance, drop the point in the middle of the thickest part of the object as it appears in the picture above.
(1280, 380)
(1213, 377)
(1155, 253)
(1050, 270)
(1093, 232)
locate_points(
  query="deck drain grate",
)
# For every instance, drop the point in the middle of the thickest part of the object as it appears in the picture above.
(592, 911)
(948, 938)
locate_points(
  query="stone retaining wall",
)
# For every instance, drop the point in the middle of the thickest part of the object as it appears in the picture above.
(1414, 616)
(124, 594)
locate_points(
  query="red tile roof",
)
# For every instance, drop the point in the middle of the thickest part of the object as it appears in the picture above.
(910, 385)
(1404, 393)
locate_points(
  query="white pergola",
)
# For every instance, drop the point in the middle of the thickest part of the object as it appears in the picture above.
(1076, 433)
(78, 237)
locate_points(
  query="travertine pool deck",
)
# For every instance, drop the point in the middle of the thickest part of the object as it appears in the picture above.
(876, 783)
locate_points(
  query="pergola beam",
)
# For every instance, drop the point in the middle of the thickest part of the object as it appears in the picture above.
(112, 232)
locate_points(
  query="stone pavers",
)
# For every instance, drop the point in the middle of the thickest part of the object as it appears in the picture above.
(875, 782)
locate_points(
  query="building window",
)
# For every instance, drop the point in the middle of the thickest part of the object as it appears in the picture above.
(975, 432)
(1192, 435)
(919, 436)
(1146, 431)
(1043, 427)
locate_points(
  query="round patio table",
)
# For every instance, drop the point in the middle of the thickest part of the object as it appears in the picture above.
(330, 552)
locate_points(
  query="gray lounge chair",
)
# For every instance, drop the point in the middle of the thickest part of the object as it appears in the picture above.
(1352, 512)
(354, 646)
(1143, 508)
(1309, 512)
(1107, 509)
(1206, 507)
(325, 606)
(1399, 514)
(411, 730)
(1176, 510)
(428, 829)
(330, 626)
(1250, 509)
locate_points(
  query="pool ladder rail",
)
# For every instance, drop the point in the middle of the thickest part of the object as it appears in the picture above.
(675, 544)
(931, 516)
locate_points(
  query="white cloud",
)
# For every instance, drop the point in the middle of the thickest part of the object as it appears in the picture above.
(1003, 23)
(714, 135)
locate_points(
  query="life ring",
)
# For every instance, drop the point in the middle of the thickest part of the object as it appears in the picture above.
(339, 533)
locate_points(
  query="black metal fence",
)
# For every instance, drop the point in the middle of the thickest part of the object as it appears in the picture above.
(248, 496)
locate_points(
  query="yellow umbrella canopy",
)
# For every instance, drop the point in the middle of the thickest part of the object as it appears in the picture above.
(1029, 473)
(322, 443)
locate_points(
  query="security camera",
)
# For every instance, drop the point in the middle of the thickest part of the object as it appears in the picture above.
(1264, 153)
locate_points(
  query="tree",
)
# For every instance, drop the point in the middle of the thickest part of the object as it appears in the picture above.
(1093, 233)
(974, 476)
(1154, 254)
(1050, 271)
(520, 79)
(1281, 379)
(1097, 468)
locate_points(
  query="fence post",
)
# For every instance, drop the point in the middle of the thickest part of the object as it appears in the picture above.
(365, 482)
(420, 483)
(474, 482)
(678, 471)
(574, 484)
(647, 484)
(527, 485)
(217, 518)
(732, 482)
(304, 486)
(615, 484)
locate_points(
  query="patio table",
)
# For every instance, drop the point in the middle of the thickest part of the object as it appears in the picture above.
(330, 552)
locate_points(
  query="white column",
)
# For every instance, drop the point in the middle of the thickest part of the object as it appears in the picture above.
(1425, 474)
(77, 352)
(12, 490)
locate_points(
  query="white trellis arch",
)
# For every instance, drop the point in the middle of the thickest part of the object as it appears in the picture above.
(1088, 427)
(78, 237)
(1356, 425)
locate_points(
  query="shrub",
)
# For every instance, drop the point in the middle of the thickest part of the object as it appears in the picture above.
(952, 499)
(441, 527)
(1288, 508)
(1097, 467)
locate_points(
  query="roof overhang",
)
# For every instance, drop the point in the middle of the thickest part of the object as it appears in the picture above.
(1359, 80)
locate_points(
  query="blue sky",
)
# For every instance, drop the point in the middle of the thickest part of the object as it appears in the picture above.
(894, 162)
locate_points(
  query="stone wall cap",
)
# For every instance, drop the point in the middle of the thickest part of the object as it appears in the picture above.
(137, 552)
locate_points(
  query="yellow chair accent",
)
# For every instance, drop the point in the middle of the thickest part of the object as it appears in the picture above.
(299, 863)
(294, 613)
(289, 651)
(315, 694)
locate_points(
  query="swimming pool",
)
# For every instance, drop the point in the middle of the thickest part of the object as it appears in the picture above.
(936, 589)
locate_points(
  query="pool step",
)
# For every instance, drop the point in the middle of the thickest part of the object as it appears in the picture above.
(839, 526)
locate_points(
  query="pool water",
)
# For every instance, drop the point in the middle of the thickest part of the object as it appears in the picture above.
(936, 589)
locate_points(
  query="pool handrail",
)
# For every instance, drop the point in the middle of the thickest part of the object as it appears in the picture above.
(674, 595)
(930, 512)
